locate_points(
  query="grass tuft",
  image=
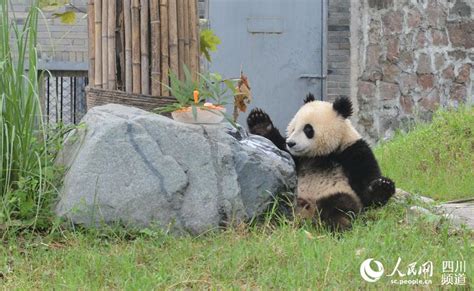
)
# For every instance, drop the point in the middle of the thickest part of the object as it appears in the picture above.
(435, 159)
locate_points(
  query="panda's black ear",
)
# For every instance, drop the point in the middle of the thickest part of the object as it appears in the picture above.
(309, 98)
(343, 106)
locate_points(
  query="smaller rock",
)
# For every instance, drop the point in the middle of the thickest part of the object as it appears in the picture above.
(458, 92)
(374, 51)
(393, 22)
(401, 195)
(439, 61)
(414, 18)
(464, 74)
(417, 212)
(426, 81)
(391, 73)
(448, 73)
(458, 213)
(421, 40)
(389, 91)
(439, 37)
(407, 104)
(424, 64)
(461, 34)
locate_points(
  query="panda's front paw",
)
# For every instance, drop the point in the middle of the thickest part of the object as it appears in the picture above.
(259, 122)
(382, 189)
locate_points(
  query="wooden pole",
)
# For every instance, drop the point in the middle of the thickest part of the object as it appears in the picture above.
(164, 47)
(144, 47)
(181, 50)
(98, 43)
(120, 44)
(105, 50)
(136, 47)
(91, 29)
(111, 45)
(186, 34)
(194, 40)
(127, 18)
(155, 47)
(173, 36)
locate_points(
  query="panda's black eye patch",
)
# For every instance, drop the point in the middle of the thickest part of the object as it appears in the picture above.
(308, 130)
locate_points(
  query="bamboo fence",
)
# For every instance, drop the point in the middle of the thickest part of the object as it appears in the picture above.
(133, 44)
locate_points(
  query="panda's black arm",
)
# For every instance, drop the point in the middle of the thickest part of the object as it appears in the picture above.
(361, 168)
(275, 136)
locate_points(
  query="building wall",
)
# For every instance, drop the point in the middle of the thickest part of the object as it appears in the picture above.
(338, 49)
(409, 57)
(61, 46)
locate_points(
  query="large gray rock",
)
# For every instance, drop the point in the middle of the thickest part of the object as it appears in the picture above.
(141, 169)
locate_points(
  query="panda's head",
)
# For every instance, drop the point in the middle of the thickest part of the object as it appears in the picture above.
(320, 128)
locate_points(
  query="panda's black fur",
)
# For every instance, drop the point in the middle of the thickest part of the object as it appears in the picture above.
(335, 185)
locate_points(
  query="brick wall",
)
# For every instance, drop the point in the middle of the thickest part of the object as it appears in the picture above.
(409, 57)
(338, 48)
(61, 46)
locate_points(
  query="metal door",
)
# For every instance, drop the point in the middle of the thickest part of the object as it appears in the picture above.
(280, 46)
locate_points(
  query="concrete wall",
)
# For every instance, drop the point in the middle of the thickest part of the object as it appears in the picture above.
(61, 46)
(408, 58)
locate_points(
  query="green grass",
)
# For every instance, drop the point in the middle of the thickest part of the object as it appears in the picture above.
(436, 159)
(283, 258)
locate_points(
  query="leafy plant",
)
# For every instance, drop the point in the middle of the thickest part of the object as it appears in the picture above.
(208, 43)
(211, 87)
(26, 160)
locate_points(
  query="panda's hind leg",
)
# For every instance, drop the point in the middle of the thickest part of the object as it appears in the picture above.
(259, 123)
(337, 211)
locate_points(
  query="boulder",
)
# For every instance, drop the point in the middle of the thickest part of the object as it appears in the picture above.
(128, 166)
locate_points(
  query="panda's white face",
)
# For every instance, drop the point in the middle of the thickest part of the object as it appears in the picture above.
(317, 129)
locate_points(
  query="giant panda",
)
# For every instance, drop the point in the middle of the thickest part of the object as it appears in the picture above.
(338, 175)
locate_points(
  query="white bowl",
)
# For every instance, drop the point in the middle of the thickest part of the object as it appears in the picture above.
(203, 115)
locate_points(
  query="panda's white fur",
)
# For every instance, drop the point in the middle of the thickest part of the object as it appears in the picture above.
(332, 131)
(338, 174)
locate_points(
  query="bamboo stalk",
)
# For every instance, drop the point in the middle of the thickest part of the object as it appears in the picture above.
(127, 18)
(164, 47)
(155, 47)
(105, 50)
(194, 40)
(98, 43)
(120, 44)
(111, 45)
(173, 36)
(181, 50)
(145, 51)
(136, 47)
(91, 31)
(186, 34)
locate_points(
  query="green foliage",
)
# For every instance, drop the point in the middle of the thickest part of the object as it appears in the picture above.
(211, 87)
(26, 174)
(208, 43)
(434, 159)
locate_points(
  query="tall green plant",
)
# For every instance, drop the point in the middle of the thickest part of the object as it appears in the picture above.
(24, 158)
